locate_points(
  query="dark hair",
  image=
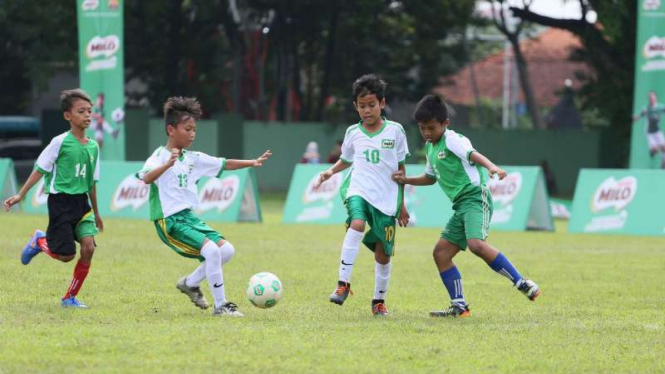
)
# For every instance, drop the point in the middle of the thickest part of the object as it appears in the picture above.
(178, 109)
(431, 107)
(369, 84)
(67, 98)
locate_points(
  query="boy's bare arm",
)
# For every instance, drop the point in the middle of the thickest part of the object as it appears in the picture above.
(421, 180)
(336, 168)
(240, 164)
(478, 158)
(34, 177)
(403, 217)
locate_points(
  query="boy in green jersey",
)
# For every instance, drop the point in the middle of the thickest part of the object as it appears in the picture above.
(457, 167)
(70, 164)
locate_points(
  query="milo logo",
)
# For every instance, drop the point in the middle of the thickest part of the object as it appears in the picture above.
(506, 190)
(388, 143)
(614, 193)
(131, 192)
(219, 193)
(651, 4)
(654, 47)
(326, 191)
(102, 46)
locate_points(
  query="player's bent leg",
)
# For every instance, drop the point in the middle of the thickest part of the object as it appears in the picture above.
(529, 288)
(32, 249)
(227, 249)
(443, 254)
(444, 251)
(482, 249)
(81, 271)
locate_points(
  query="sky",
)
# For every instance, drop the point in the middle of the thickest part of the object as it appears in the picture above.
(556, 8)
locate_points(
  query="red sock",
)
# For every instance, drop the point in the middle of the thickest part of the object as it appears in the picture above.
(80, 272)
(41, 242)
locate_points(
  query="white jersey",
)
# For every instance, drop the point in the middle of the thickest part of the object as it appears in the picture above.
(176, 190)
(375, 157)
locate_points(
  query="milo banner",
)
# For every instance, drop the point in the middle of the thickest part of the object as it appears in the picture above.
(520, 203)
(619, 202)
(233, 197)
(647, 149)
(520, 200)
(101, 71)
(8, 180)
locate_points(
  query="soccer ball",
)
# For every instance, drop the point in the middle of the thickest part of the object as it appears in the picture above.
(264, 290)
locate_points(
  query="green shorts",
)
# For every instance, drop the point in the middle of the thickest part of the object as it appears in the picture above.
(382, 227)
(86, 227)
(185, 233)
(470, 220)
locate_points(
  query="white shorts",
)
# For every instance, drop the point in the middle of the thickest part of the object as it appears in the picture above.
(656, 140)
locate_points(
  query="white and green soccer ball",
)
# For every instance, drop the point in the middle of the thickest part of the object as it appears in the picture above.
(264, 290)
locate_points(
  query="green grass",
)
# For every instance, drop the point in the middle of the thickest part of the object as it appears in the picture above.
(601, 309)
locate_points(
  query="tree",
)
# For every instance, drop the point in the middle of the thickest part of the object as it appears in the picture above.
(513, 36)
(36, 40)
(609, 47)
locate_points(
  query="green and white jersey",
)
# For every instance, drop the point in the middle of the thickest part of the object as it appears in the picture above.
(175, 190)
(449, 161)
(375, 157)
(68, 166)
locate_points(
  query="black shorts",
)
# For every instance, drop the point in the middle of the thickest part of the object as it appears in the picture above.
(64, 213)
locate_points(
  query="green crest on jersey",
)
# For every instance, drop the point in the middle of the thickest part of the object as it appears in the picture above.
(388, 143)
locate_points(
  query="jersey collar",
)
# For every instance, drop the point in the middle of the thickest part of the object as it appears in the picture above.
(373, 134)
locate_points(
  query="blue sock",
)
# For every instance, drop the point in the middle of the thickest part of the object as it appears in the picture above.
(502, 266)
(452, 279)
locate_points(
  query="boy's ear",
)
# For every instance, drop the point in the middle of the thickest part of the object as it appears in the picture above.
(66, 116)
(446, 122)
(382, 104)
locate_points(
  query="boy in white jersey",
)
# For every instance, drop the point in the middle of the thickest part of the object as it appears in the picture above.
(172, 173)
(376, 148)
(452, 161)
(70, 164)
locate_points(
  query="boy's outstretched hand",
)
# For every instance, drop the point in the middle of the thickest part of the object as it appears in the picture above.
(175, 153)
(399, 177)
(498, 171)
(12, 201)
(323, 177)
(259, 161)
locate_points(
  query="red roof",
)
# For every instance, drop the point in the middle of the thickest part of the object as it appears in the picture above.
(547, 59)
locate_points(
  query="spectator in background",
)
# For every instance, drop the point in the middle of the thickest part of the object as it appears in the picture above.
(311, 155)
(335, 153)
(550, 181)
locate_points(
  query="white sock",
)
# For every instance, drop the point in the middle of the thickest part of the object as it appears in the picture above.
(197, 276)
(228, 250)
(213, 262)
(350, 249)
(382, 278)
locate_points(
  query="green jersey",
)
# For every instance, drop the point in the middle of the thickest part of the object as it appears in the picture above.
(449, 162)
(68, 166)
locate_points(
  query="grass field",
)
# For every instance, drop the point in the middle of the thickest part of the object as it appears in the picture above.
(602, 308)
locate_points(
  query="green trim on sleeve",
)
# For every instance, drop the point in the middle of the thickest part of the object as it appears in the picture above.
(40, 170)
(430, 176)
(404, 160)
(468, 157)
(221, 170)
(346, 161)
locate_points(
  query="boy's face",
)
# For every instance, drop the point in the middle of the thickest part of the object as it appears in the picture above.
(183, 134)
(369, 108)
(79, 114)
(653, 99)
(432, 130)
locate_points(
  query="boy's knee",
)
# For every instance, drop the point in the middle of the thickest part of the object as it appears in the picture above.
(227, 250)
(476, 246)
(66, 258)
(358, 225)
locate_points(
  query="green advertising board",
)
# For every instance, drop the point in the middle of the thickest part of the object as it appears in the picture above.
(521, 201)
(233, 197)
(101, 69)
(619, 202)
(647, 140)
(8, 180)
